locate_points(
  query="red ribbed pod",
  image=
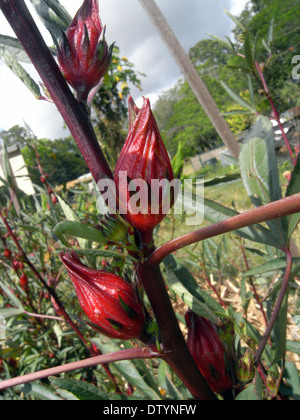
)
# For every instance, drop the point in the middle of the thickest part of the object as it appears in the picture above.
(84, 56)
(109, 301)
(144, 161)
(208, 352)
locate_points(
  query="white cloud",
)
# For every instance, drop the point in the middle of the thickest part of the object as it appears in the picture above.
(127, 24)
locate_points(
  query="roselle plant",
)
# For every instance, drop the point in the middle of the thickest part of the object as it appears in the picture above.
(127, 299)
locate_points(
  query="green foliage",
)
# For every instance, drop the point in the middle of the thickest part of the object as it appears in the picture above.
(251, 261)
(60, 159)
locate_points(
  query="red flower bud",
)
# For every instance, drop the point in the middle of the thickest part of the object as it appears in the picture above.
(109, 301)
(7, 253)
(144, 158)
(208, 352)
(54, 199)
(84, 56)
(24, 282)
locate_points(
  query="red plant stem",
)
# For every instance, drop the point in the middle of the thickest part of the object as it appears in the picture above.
(274, 210)
(177, 354)
(279, 302)
(74, 113)
(275, 113)
(139, 353)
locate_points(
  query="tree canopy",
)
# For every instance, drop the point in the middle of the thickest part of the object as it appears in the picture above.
(274, 27)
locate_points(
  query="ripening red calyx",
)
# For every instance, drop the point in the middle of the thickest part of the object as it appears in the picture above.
(209, 352)
(143, 158)
(7, 253)
(109, 301)
(84, 56)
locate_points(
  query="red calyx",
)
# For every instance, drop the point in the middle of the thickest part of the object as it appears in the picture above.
(208, 352)
(24, 282)
(109, 301)
(84, 58)
(144, 157)
(7, 253)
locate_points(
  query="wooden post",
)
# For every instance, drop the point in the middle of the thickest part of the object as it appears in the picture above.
(193, 78)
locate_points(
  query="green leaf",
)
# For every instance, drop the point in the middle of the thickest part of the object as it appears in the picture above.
(225, 179)
(293, 188)
(53, 15)
(15, 48)
(236, 20)
(20, 72)
(83, 391)
(238, 99)
(215, 212)
(178, 161)
(291, 375)
(71, 215)
(249, 52)
(185, 286)
(12, 297)
(38, 391)
(164, 377)
(9, 312)
(270, 267)
(252, 392)
(128, 369)
(79, 230)
(293, 346)
(278, 335)
(259, 171)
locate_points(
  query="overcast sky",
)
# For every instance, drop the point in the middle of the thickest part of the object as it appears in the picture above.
(130, 27)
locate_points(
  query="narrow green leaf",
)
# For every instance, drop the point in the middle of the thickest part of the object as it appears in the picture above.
(249, 52)
(271, 31)
(238, 98)
(79, 230)
(293, 346)
(270, 267)
(215, 212)
(259, 171)
(20, 72)
(9, 312)
(53, 15)
(12, 297)
(235, 20)
(71, 215)
(185, 286)
(251, 90)
(15, 48)
(252, 392)
(41, 392)
(128, 369)
(164, 377)
(293, 188)
(83, 391)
